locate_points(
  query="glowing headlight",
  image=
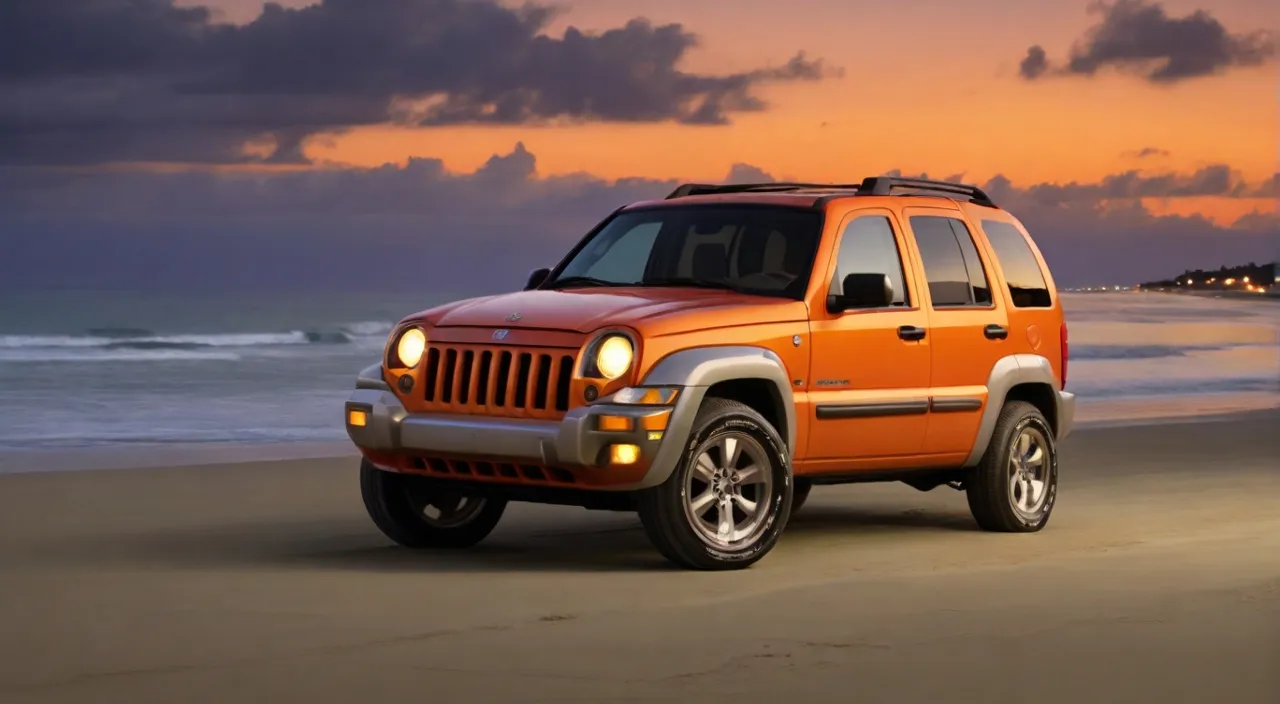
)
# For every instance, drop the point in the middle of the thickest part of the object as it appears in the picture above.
(410, 347)
(613, 357)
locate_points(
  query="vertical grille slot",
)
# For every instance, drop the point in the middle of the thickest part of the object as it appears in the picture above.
(563, 381)
(468, 380)
(482, 389)
(433, 372)
(542, 382)
(522, 381)
(504, 373)
(450, 381)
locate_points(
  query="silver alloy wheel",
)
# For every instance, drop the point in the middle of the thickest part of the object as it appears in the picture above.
(1029, 472)
(728, 490)
(451, 510)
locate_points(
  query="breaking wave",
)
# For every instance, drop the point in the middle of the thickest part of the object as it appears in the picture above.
(139, 344)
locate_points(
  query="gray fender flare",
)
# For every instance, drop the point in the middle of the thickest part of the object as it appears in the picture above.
(1007, 373)
(695, 371)
(371, 378)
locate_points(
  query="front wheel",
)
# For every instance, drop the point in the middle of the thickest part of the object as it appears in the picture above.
(414, 513)
(1015, 486)
(726, 503)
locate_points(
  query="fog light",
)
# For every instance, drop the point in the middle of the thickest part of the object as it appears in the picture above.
(616, 424)
(358, 419)
(624, 454)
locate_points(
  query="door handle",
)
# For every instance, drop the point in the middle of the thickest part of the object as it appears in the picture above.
(995, 332)
(911, 332)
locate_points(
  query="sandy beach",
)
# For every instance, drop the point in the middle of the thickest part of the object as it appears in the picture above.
(1157, 580)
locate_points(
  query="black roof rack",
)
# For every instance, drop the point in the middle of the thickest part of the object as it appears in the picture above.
(703, 189)
(871, 186)
(885, 185)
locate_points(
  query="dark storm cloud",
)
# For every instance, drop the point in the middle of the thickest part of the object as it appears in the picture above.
(84, 81)
(1214, 180)
(1035, 63)
(1140, 37)
(422, 227)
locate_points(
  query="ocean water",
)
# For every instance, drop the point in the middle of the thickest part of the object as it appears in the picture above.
(94, 374)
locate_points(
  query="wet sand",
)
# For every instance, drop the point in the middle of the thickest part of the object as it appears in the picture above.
(1158, 580)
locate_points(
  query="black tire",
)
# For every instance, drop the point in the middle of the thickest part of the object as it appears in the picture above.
(990, 485)
(662, 508)
(801, 494)
(397, 503)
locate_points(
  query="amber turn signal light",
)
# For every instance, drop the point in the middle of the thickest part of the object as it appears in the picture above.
(616, 424)
(358, 419)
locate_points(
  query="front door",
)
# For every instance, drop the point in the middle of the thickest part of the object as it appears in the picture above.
(869, 378)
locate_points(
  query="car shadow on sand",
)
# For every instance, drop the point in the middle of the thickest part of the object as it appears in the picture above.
(610, 543)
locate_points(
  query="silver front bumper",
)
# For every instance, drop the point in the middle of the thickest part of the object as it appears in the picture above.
(572, 442)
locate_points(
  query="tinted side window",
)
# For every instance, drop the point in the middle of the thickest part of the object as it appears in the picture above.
(972, 263)
(1027, 286)
(951, 262)
(868, 246)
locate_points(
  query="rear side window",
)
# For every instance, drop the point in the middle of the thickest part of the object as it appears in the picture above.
(1026, 280)
(951, 262)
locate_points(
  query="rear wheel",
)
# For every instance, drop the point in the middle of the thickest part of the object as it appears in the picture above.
(726, 503)
(417, 514)
(1015, 486)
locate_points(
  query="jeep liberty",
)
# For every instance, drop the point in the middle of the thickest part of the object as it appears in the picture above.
(707, 359)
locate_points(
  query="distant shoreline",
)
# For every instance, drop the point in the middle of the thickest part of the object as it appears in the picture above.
(1271, 295)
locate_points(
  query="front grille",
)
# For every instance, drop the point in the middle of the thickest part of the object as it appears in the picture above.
(501, 381)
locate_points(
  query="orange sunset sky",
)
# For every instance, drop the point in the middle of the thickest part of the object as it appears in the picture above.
(926, 86)
(221, 143)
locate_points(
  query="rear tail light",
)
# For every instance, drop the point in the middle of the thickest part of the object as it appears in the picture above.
(1066, 354)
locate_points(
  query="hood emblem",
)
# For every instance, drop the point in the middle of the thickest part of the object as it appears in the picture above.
(500, 334)
(514, 317)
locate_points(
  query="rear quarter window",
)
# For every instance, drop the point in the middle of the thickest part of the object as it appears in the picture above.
(1027, 286)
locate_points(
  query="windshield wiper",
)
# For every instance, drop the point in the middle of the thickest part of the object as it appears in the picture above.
(692, 283)
(582, 281)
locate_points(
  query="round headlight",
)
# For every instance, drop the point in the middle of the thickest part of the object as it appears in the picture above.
(614, 356)
(410, 347)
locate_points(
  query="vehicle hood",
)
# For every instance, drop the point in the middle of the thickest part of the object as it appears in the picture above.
(648, 310)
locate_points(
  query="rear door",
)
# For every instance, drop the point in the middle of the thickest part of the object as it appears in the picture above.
(968, 326)
(1035, 313)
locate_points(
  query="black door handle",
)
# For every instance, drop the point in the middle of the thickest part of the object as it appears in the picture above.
(995, 332)
(911, 332)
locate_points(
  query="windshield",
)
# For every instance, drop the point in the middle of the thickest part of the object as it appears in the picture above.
(766, 250)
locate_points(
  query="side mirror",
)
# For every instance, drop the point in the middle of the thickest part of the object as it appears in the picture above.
(862, 291)
(536, 277)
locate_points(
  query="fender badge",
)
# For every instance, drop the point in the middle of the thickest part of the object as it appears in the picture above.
(500, 334)
(795, 340)
(514, 317)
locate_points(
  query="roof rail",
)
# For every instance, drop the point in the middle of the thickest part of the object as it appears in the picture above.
(885, 185)
(871, 186)
(702, 189)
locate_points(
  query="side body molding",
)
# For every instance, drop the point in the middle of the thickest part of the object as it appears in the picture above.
(700, 368)
(1007, 373)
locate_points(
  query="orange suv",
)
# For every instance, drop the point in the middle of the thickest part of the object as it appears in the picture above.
(706, 359)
